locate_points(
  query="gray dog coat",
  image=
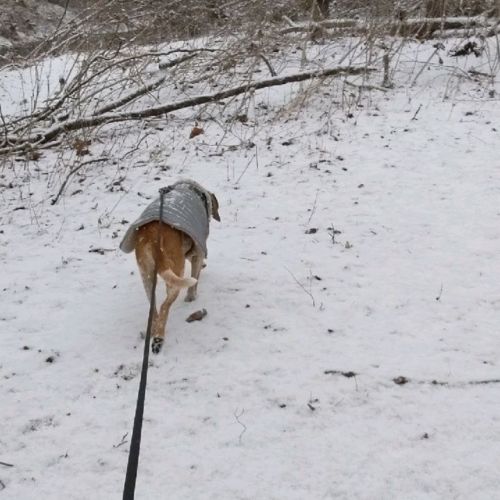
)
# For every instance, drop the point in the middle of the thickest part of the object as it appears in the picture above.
(186, 207)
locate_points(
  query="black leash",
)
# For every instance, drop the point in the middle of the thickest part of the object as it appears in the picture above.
(135, 442)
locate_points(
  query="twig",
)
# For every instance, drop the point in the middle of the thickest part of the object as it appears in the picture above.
(192, 53)
(290, 22)
(480, 73)
(268, 64)
(72, 172)
(237, 417)
(245, 169)
(6, 140)
(5, 464)
(132, 96)
(123, 441)
(313, 209)
(461, 384)
(484, 382)
(436, 50)
(175, 62)
(302, 286)
(366, 87)
(416, 112)
(101, 251)
(332, 231)
(62, 17)
(404, 380)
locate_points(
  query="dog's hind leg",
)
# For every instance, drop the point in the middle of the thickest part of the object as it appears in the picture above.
(174, 283)
(196, 265)
(146, 266)
(159, 335)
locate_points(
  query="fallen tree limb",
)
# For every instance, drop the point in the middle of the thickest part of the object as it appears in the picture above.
(94, 121)
(419, 26)
(327, 24)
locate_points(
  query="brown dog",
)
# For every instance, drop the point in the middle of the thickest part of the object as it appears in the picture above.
(187, 210)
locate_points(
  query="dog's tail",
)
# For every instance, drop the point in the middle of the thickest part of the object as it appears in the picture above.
(175, 281)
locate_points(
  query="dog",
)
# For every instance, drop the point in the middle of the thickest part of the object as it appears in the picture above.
(182, 233)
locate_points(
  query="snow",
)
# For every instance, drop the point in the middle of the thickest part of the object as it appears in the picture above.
(239, 405)
(27, 88)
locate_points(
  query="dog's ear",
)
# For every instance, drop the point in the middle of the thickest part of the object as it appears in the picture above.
(215, 207)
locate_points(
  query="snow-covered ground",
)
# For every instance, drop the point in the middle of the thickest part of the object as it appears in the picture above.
(286, 389)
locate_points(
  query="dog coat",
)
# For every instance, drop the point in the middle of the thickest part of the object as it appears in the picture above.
(186, 207)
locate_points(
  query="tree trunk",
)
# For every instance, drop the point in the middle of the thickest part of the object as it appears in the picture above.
(435, 8)
(323, 6)
(319, 9)
(496, 9)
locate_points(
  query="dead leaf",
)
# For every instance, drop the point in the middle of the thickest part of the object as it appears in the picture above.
(81, 146)
(400, 380)
(197, 315)
(196, 131)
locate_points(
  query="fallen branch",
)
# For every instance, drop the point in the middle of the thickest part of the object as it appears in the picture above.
(132, 96)
(301, 286)
(327, 24)
(448, 384)
(423, 27)
(94, 121)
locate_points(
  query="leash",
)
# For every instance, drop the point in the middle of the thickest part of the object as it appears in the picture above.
(135, 442)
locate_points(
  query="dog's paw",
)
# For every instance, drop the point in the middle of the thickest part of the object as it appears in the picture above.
(190, 297)
(156, 345)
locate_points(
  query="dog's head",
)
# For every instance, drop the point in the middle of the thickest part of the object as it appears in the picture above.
(215, 207)
(211, 201)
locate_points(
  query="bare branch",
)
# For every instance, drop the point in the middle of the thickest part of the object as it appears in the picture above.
(71, 173)
(93, 121)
